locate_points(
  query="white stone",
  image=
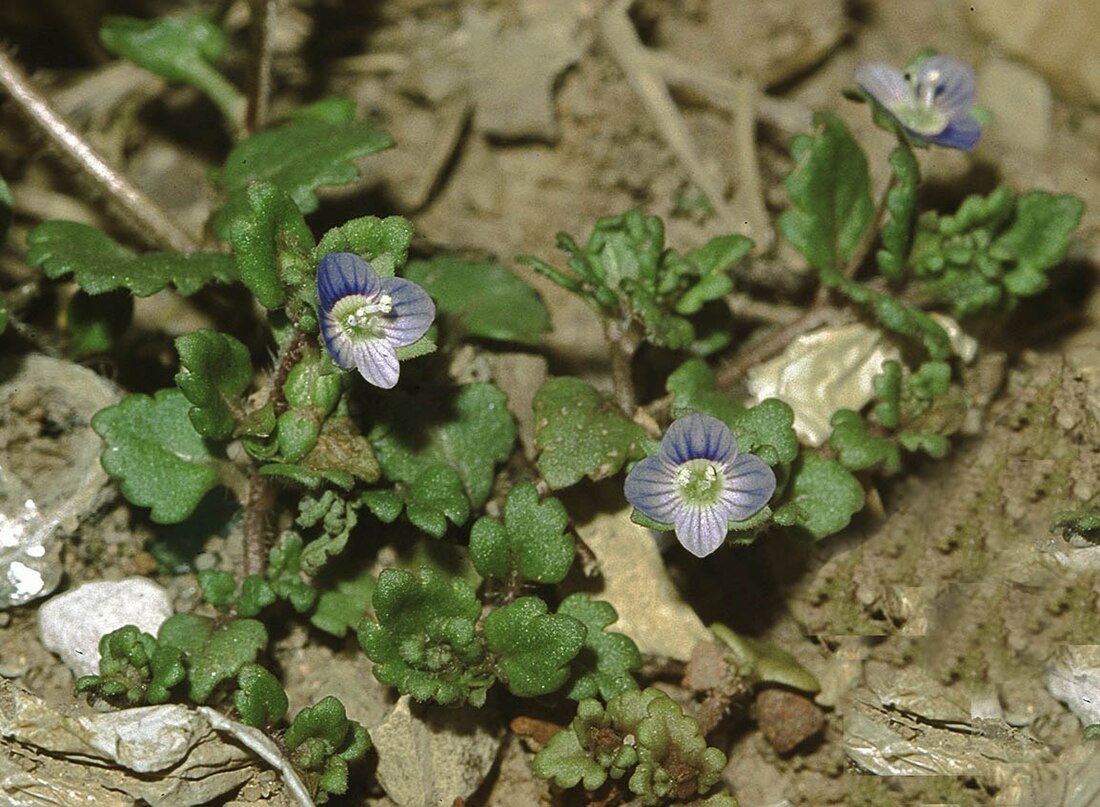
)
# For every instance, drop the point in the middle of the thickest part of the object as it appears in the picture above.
(71, 624)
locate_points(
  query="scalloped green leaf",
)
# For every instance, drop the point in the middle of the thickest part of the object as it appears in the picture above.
(857, 449)
(822, 497)
(564, 761)
(483, 299)
(579, 432)
(829, 189)
(1038, 239)
(384, 243)
(533, 648)
(530, 542)
(425, 640)
(602, 668)
(259, 699)
(153, 450)
(216, 370)
(316, 146)
(219, 656)
(272, 244)
(468, 432)
(100, 264)
(178, 49)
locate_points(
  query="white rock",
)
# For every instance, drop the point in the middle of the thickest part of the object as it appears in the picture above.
(71, 624)
(1073, 677)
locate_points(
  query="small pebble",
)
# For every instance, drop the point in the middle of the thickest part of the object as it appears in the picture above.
(787, 718)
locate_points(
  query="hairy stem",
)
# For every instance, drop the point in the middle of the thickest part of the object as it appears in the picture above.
(623, 344)
(264, 14)
(258, 506)
(145, 217)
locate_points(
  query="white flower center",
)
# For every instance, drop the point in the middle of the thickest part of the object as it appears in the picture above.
(699, 481)
(359, 315)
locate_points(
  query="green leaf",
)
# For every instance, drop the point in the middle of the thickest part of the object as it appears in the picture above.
(178, 50)
(1092, 730)
(766, 429)
(154, 451)
(1038, 239)
(483, 298)
(712, 260)
(531, 543)
(307, 477)
(133, 669)
(215, 653)
(345, 600)
(425, 642)
(216, 370)
(337, 518)
(901, 202)
(533, 648)
(567, 763)
(99, 264)
(219, 588)
(323, 742)
(384, 243)
(603, 667)
(822, 498)
(857, 449)
(317, 146)
(95, 324)
(829, 191)
(761, 662)
(271, 242)
(467, 432)
(259, 699)
(580, 432)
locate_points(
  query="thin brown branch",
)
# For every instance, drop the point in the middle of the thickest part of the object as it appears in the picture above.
(264, 15)
(143, 215)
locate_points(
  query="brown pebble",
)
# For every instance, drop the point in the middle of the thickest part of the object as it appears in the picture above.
(787, 718)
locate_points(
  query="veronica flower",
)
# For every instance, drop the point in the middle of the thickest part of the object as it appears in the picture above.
(932, 100)
(364, 317)
(698, 482)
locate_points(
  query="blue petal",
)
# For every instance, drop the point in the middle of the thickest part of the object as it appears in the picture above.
(698, 437)
(650, 488)
(953, 79)
(701, 530)
(342, 273)
(376, 361)
(336, 341)
(885, 84)
(750, 483)
(963, 132)
(412, 314)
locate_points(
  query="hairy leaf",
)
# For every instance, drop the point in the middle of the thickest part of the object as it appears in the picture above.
(829, 191)
(100, 264)
(216, 370)
(154, 451)
(822, 498)
(579, 432)
(533, 648)
(530, 543)
(603, 667)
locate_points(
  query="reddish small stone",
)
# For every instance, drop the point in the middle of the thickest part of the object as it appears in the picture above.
(787, 718)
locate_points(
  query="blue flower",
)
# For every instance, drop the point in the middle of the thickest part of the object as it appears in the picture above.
(364, 317)
(932, 100)
(698, 482)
